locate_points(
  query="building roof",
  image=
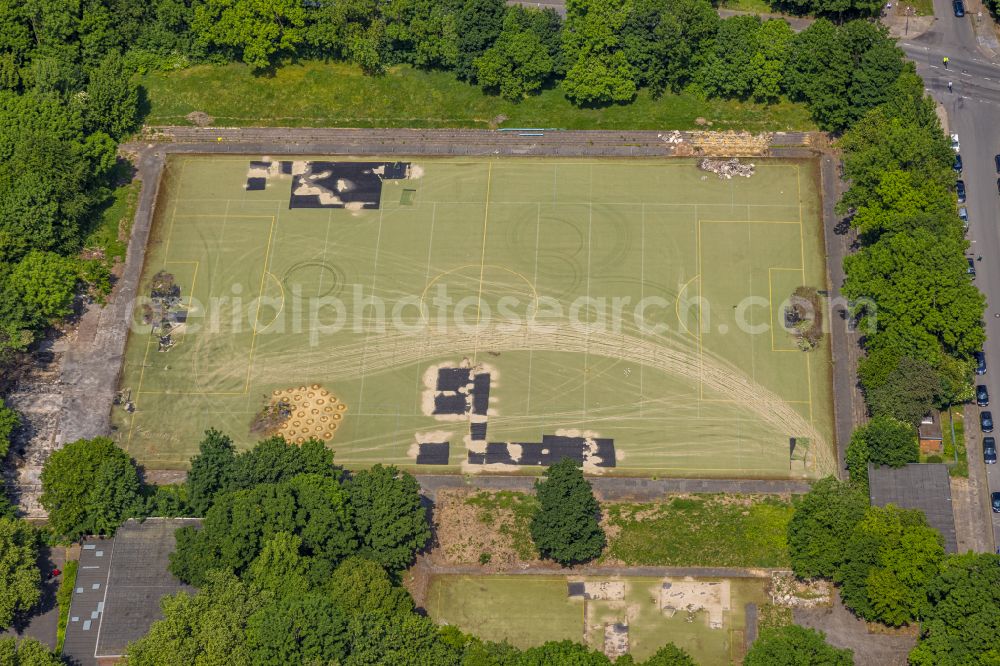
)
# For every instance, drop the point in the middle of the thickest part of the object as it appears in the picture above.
(118, 589)
(930, 427)
(923, 486)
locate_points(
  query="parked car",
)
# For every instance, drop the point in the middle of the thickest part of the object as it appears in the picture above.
(998, 184)
(960, 190)
(986, 421)
(963, 214)
(996, 160)
(980, 359)
(989, 450)
(972, 267)
(995, 502)
(982, 396)
(957, 166)
(955, 145)
(959, 8)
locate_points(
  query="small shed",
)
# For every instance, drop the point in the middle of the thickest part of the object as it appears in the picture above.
(931, 437)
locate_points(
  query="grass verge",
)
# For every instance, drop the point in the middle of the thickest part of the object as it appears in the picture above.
(755, 6)
(510, 513)
(697, 530)
(702, 530)
(112, 228)
(954, 449)
(772, 616)
(64, 596)
(319, 94)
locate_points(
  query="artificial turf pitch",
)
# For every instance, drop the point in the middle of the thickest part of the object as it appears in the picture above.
(528, 610)
(280, 298)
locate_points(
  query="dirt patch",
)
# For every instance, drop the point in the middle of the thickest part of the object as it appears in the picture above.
(482, 528)
(690, 596)
(199, 118)
(417, 579)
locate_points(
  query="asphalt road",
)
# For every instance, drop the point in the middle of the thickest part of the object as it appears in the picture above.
(974, 114)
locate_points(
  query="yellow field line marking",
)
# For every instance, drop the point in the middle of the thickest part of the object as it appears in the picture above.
(482, 259)
(701, 299)
(677, 307)
(280, 309)
(701, 282)
(194, 279)
(230, 393)
(138, 391)
(149, 339)
(770, 298)
(173, 216)
(256, 215)
(260, 295)
(802, 251)
(738, 402)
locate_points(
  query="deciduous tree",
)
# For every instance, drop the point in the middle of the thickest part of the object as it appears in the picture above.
(69, 479)
(389, 519)
(960, 625)
(882, 441)
(259, 30)
(823, 521)
(566, 528)
(20, 578)
(212, 471)
(795, 646)
(889, 562)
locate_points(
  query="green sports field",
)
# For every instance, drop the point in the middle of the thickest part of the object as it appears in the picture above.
(527, 610)
(637, 301)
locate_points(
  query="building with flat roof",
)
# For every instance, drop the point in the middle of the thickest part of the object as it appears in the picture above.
(923, 486)
(118, 589)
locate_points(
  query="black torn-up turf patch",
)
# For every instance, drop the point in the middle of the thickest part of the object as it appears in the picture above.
(433, 453)
(478, 431)
(481, 393)
(452, 379)
(551, 450)
(363, 180)
(256, 184)
(450, 404)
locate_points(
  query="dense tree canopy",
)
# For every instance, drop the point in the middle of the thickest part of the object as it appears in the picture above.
(524, 56)
(234, 532)
(566, 528)
(90, 487)
(889, 562)
(961, 623)
(26, 652)
(20, 578)
(795, 646)
(389, 519)
(881, 441)
(9, 420)
(823, 521)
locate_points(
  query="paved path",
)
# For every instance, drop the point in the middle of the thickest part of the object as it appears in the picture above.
(849, 404)
(617, 488)
(44, 622)
(375, 141)
(596, 570)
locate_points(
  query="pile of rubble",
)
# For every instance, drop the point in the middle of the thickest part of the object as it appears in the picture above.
(672, 137)
(788, 591)
(727, 168)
